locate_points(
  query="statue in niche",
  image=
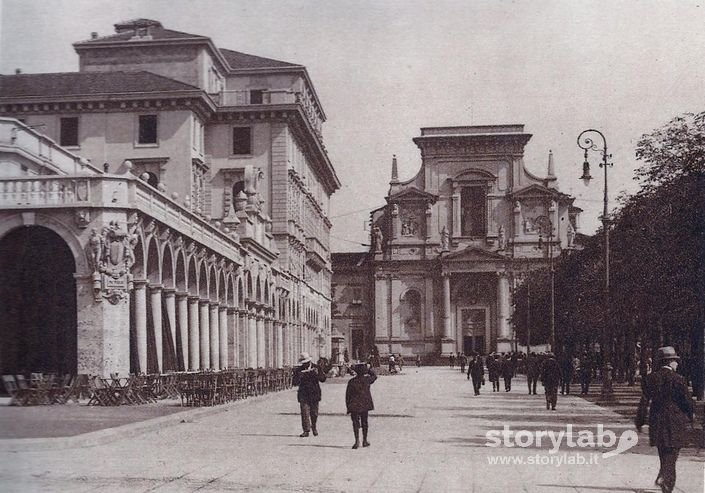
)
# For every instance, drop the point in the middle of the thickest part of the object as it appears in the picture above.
(529, 226)
(445, 237)
(95, 250)
(501, 241)
(409, 226)
(571, 236)
(377, 239)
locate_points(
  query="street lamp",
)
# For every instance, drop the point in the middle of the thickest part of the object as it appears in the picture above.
(548, 225)
(587, 143)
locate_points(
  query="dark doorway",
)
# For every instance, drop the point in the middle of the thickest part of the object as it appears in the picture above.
(37, 303)
(358, 345)
(474, 344)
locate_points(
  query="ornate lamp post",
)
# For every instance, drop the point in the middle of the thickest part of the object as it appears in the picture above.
(587, 143)
(548, 226)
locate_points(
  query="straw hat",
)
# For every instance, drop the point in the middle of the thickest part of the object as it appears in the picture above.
(305, 358)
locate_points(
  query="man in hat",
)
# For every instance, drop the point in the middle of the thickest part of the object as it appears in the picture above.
(307, 377)
(358, 401)
(550, 378)
(670, 409)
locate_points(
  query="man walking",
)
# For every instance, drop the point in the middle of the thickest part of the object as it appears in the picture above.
(533, 369)
(670, 409)
(476, 371)
(566, 373)
(550, 378)
(585, 371)
(507, 372)
(307, 377)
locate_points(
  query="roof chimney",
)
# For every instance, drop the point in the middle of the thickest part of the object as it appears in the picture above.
(395, 171)
(551, 169)
(94, 35)
(18, 71)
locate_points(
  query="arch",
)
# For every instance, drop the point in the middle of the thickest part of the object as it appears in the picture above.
(192, 279)
(232, 294)
(474, 174)
(248, 282)
(168, 268)
(153, 261)
(212, 283)
(180, 278)
(138, 268)
(410, 312)
(240, 293)
(258, 288)
(65, 232)
(222, 288)
(203, 281)
(37, 302)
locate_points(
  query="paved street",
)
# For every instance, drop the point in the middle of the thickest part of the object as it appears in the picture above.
(427, 435)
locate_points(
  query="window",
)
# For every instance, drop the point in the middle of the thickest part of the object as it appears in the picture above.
(473, 202)
(256, 96)
(147, 133)
(242, 140)
(68, 133)
(357, 296)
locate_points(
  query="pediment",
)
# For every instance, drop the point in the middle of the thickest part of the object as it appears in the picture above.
(412, 194)
(533, 191)
(473, 254)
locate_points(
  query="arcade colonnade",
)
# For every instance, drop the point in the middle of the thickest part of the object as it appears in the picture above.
(191, 309)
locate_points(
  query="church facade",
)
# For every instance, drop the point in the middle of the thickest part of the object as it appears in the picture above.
(163, 208)
(451, 243)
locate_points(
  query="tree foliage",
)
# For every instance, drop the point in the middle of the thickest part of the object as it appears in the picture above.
(657, 252)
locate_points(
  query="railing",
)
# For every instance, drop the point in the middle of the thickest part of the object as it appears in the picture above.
(314, 246)
(242, 98)
(110, 191)
(44, 191)
(17, 135)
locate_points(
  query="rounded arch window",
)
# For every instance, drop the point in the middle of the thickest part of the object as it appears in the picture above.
(410, 311)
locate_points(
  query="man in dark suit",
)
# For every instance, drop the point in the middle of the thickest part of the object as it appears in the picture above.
(566, 373)
(307, 377)
(533, 369)
(670, 409)
(476, 371)
(550, 378)
(507, 372)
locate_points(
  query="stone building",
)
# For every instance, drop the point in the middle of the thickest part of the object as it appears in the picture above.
(163, 208)
(453, 241)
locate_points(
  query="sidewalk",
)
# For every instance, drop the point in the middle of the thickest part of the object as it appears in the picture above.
(427, 435)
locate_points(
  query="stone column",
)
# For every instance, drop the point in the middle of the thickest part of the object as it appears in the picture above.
(194, 336)
(224, 330)
(504, 343)
(233, 338)
(170, 303)
(252, 338)
(446, 305)
(261, 363)
(457, 229)
(156, 302)
(279, 360)
(140, 294)
(205, 324)
(244, 330)
(214, 336)
(447, 342)
(182, 317)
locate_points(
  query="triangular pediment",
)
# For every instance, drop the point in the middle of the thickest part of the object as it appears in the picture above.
(536, 190)
(473, 254)
(412, 194)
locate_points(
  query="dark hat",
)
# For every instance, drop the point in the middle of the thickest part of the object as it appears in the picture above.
(360, 368)
(667, 353)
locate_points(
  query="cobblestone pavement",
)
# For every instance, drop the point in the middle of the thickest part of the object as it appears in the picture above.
(427, 435)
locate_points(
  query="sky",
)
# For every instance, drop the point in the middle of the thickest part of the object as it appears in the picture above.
(385, 69)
